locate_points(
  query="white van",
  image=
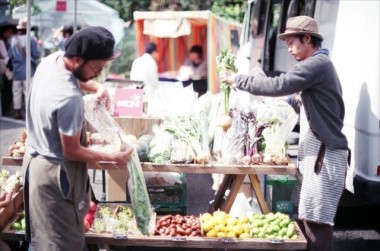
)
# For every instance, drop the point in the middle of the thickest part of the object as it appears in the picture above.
(351, 33)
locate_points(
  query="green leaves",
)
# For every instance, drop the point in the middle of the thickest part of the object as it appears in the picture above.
(226, 61)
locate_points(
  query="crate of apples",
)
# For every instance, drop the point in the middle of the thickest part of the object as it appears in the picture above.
(178, 226)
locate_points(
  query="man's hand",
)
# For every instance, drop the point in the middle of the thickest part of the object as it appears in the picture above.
(102, 94)
(5, 198)
(121, 158)
(227, 76)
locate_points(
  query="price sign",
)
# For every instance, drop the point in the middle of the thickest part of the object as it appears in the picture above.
(128, 102)
(60, 6)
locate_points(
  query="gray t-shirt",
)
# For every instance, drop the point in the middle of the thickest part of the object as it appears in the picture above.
(55, 107)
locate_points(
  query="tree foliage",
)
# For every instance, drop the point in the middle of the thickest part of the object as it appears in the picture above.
(230, 9)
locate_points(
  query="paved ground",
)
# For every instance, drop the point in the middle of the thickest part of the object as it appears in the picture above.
(357, 228)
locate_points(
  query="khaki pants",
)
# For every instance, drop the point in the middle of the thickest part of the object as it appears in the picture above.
(56, 200)
(19, 89)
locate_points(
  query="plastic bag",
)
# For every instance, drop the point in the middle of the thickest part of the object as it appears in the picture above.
(283, 119)
(100, 120)
(169, 100)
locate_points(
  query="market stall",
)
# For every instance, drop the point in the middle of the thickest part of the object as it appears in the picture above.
(230, 135)
(183, 30)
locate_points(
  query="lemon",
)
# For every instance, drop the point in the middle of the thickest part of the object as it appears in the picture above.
(244, 235)
(205, 217)
(231, 235)
(211, 233)
(221, 235)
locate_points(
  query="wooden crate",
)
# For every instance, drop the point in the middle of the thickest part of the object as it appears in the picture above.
(9, 211)
(184, 242)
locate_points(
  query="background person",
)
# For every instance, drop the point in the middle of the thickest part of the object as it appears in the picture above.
(6, 92)
(17, 53)
(144, 68)
(57, 188)
(322, 156)
(194, 68)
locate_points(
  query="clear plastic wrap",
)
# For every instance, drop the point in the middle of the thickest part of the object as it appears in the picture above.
(102, 122)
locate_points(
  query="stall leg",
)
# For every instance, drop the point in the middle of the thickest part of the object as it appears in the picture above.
(258, 192)
(234, 190)
(103, 198)
(219, 197)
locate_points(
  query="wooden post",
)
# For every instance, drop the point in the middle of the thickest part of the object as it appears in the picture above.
(258, 192)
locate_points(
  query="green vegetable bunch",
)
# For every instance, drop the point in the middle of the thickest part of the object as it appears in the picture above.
(226, 61)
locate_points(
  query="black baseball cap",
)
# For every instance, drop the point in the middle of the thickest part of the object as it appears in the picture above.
(92, 43)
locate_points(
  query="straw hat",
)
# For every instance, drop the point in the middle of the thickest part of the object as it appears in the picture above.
(21, 24)
(301, 25)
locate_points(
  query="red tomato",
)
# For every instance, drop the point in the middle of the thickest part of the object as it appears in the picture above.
(86, 226)
(89, 217)
(93, 207)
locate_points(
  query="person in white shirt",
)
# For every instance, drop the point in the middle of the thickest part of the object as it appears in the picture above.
(144, 68)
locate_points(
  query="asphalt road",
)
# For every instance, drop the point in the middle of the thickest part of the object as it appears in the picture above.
(357, 228)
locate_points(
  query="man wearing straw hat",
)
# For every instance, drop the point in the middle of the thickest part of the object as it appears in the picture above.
(17, 55)
(323, 149)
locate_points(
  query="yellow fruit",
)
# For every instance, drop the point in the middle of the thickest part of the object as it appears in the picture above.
(221, 235)
(221, 220)
(220, 228)
(244, 235)
(220, 213)
(232, 221)
(211, 233)
(207, 226)
(238, 230)
(205, 217)
(243, 219)
(229, 228)
(246, 228)
(231, 235)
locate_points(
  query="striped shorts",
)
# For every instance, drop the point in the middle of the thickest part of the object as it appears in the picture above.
(319, 193)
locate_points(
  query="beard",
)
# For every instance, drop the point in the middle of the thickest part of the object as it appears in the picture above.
(80, 75)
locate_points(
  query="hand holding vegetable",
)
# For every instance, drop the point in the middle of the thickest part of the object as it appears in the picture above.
(121, 158)
(227, 69)
(227, 76)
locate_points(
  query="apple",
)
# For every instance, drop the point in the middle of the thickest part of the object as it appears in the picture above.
(93, 207)
(89, 217)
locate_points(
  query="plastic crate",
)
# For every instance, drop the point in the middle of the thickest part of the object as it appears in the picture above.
(168, 199)
(279, 190)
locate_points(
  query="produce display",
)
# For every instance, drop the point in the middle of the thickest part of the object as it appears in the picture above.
(222, 225)
(114, 219)
(89, 217)
(18, 148)
(10, 183)
(272, 225)
(102, 122)
(19, 225)
(177, 226)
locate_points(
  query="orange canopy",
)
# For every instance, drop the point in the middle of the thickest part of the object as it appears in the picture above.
(175, 32)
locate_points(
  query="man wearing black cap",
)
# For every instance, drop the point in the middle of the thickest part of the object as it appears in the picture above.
(56, 180)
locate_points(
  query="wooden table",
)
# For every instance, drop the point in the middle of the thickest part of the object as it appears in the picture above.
(235, 175)
(107, 240)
